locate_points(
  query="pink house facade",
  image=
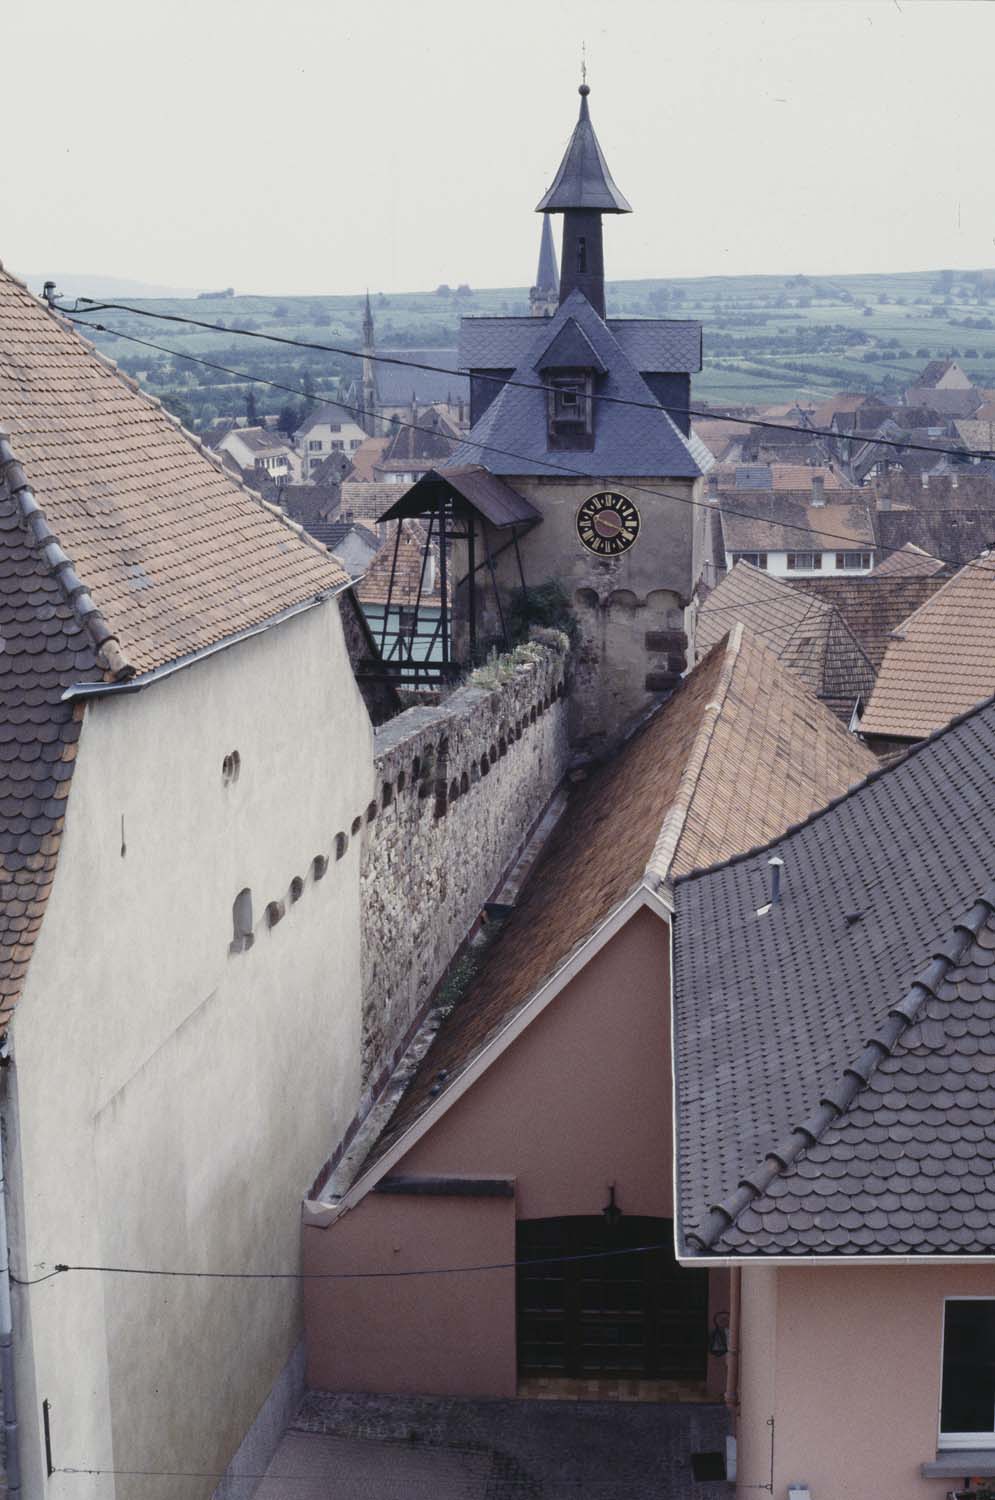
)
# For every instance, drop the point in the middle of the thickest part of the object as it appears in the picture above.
(834, 1048)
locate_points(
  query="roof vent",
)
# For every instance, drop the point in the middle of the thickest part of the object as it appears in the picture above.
(776, 866)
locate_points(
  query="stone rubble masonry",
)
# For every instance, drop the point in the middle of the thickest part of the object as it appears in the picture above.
(460, 787)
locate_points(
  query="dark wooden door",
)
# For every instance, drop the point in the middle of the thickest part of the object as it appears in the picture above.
(627, 1313)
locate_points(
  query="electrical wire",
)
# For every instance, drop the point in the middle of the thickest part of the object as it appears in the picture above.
(561, 468)
(94, 306)
(502, 1265)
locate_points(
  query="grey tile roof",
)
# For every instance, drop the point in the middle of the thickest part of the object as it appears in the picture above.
(843, 1045)
(583, 179)
(395, 383)
(668, 346)
(629, 440)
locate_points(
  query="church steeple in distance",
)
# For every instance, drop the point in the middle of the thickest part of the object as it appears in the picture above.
(544, 296)
(582, 190)
(368, 419)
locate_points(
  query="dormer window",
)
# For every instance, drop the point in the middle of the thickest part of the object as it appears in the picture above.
(570, 416)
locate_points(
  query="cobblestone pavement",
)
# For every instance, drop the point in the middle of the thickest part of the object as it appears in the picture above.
(421, 1448)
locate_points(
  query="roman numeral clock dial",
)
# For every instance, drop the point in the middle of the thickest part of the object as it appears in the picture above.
(607, 524)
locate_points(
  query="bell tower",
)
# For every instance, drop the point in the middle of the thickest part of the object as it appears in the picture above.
(581, 476)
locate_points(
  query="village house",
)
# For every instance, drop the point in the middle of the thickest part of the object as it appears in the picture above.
(531, 1116)
(260, 455)
(834, 1038)
(329, 429)
(820, 528)
(185, 751)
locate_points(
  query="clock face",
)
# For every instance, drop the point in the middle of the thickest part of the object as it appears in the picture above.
(607, 524)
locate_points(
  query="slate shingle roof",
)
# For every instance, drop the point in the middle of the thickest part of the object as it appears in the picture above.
(953, 533)
(629, 440)
(45, 646)
(738, 752)
(853, 1023)
(583, 179)
(397, 383)
(652, 345)
(940, 660)
(873, 606)
(808, 636)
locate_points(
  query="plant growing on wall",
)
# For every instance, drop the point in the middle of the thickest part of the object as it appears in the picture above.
(546, 605)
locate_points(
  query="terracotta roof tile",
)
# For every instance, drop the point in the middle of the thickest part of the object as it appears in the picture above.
(941, 661)
(873, 606)
(739, 752)
(908, 561)
(175, 553)
(783, 523)
(808, 635)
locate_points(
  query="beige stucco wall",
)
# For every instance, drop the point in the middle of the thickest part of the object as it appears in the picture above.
(581, 1099)
(847, 1361)
(617, 600)
(173, 1101)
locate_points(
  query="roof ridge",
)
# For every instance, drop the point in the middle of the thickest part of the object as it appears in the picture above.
(975, 562)
(89, 617)
(859, 786)
(835, 1103)
(841, 620)
(664, 851)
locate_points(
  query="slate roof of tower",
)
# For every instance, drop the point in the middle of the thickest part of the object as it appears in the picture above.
(123, 547)
(737, 753)
(583, 179)
(808, 636)
(652, 345)
(396, 383)
(631, 440)
(940, 660)
(835, 1057)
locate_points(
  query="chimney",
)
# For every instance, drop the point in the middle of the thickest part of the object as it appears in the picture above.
(818, 489)
(713, 488)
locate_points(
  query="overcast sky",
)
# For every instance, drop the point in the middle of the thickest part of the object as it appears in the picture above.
(323, 146)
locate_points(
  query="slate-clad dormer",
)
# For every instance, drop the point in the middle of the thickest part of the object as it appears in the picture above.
(587, 417)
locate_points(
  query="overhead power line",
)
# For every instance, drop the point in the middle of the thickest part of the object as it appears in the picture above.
(501, 1265)
(94, 306)
(711, 506)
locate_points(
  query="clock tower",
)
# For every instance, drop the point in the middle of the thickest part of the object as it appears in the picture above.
(585, 416)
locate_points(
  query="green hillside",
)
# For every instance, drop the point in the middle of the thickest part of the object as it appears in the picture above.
(767, 338)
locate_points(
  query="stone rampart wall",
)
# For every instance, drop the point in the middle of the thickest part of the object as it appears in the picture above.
(460, 787)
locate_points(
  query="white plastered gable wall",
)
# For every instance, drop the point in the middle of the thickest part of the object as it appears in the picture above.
(170, 1102)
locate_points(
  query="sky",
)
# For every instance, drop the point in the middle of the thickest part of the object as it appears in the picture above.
(318, 146)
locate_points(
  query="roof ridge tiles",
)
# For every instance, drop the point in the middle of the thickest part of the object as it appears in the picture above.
(854, 1079)
(108, 649)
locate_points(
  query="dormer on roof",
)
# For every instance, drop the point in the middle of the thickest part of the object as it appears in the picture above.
(568, 366)
(582, 190)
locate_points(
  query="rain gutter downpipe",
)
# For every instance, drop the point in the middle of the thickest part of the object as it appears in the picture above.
(7, 1343)
(732, 1352)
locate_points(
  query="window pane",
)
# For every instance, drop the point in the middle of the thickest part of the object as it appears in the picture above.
(968, 1401)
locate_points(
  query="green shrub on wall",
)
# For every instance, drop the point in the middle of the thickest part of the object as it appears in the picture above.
(547, 605)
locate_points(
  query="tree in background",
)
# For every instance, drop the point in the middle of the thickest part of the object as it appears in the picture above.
(251, 410)
(290, 418)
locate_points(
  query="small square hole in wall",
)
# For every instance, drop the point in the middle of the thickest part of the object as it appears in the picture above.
(708, 1466)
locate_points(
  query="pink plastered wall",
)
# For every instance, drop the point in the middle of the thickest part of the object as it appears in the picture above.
(581, 1099)
(847, 1361)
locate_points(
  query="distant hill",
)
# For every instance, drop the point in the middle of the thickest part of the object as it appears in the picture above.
(766, 338)
(72, 285)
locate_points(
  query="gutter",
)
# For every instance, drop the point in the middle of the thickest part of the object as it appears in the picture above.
(7, 1342)
(82, 690)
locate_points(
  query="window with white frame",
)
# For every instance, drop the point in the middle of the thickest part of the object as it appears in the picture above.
(315, 445)
(755, 559)
(804, 561)
(846, 560)
(967, 1400)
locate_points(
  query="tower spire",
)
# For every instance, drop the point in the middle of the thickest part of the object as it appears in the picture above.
(582, 190)
(369, 419)
(545, 295)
